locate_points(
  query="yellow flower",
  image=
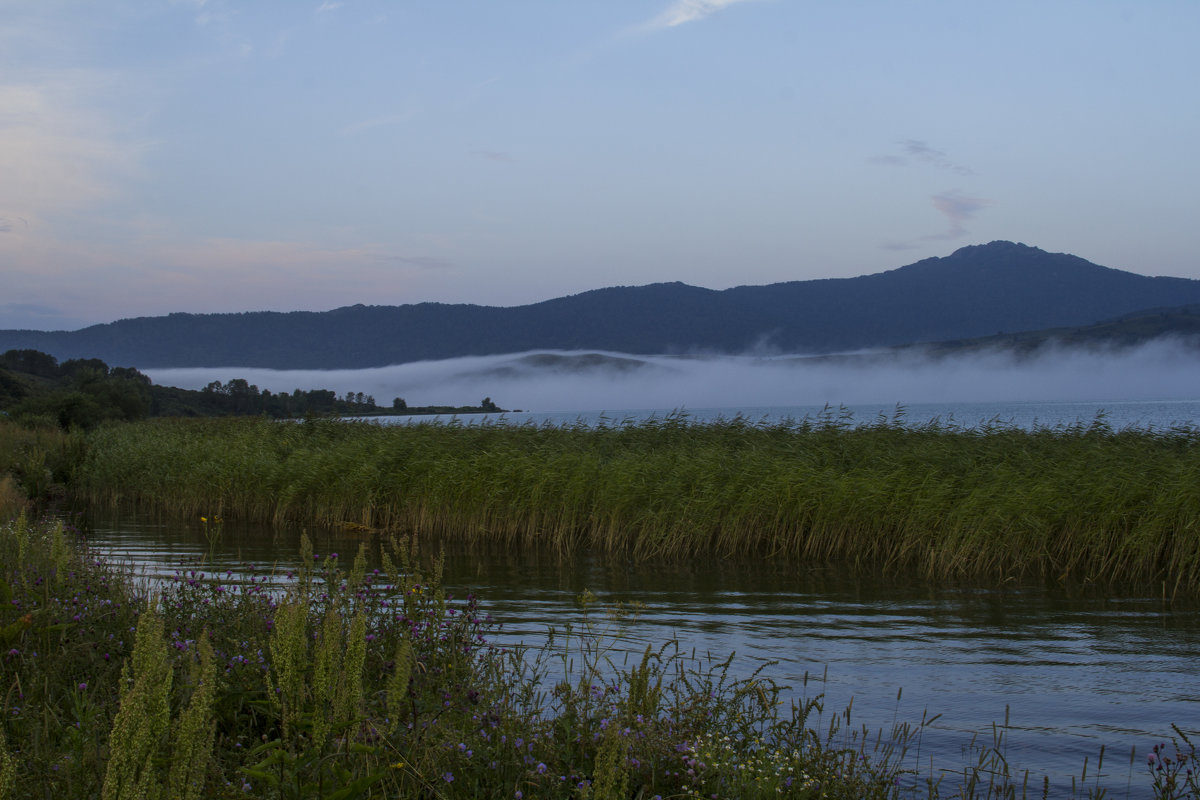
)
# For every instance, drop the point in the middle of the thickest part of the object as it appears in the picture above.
(204, 519)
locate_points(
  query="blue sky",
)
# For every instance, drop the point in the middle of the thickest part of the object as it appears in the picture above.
(224, 155)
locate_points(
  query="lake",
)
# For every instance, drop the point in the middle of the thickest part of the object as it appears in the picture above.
(1159, 415)
(1074, 667)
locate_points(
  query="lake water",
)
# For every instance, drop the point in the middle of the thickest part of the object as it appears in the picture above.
(1074, 668)
(1159, 415)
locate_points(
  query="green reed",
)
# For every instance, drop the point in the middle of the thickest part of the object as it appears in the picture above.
(1083, 501)
(351, 684)
(356, 684)
(35, 462)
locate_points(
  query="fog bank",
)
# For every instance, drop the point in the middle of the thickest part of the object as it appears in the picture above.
(591, 381)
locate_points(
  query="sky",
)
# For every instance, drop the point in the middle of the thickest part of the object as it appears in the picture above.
(162, 156)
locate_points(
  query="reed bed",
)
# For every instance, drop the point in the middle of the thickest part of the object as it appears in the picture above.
(1083, 501)
(349, 683)
(357, 684)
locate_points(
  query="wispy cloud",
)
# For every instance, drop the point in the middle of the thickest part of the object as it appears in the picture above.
(56, 155)
(329, 5)
(920, 152)
(958, 208)
(494, 155)
(683, 11)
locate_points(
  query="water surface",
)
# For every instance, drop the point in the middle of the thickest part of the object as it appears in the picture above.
(1159, 415)
(1074, 667)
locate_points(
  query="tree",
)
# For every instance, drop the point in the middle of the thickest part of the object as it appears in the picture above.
(34, 362)
(398, 404)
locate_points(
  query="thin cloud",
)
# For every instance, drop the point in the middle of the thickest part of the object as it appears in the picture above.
(958, 208)
(683, 11)
(57, 157)
(921, 152)
(329, 5)
(494, 155)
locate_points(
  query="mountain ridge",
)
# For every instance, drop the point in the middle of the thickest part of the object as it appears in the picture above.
(976, 291)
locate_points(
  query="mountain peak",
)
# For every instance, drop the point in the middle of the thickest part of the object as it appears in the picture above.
(976, 291)
(998, 247)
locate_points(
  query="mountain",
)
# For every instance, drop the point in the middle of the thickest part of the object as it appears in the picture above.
(977, 291)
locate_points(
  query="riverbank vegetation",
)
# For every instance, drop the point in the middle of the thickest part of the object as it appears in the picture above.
(352, 683)
(1084, 501)
(357, 684)
(80, 394)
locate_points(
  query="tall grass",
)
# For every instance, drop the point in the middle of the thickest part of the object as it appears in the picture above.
(1083, 501)
(35, 463)
(357, 684)
(362, 685)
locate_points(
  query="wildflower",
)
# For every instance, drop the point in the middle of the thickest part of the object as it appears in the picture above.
(448, 777)
(541, 768)
(83, 687)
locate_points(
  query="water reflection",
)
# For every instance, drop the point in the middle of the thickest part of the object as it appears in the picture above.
(1073, 667)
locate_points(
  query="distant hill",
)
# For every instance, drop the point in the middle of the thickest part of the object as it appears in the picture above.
(1179, 323)
(978, 291)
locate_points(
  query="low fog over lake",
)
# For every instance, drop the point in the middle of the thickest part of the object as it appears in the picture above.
(592, 381)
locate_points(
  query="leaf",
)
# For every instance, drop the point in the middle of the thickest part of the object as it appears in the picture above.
(261, 775)
(356, 788)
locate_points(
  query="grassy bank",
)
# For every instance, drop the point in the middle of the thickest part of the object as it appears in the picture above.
(361, 684)
(1084, 502)
(357, 684)
(36, 463)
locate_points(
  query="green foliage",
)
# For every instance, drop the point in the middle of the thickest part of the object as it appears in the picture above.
(79, 393)
(8, 768)
(35, 464)
(194, 734)
(1083, 501)
(187, 707)
(84, 393)
(145, 713)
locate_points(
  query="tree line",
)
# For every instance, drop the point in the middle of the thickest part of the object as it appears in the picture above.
(82, 393)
